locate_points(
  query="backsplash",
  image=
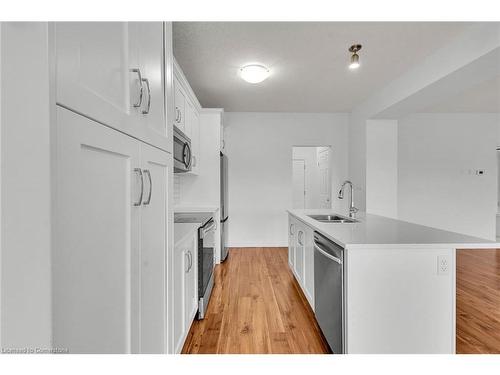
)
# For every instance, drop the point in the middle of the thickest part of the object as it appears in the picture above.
(177, 189)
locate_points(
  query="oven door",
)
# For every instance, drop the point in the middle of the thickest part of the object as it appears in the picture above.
(206, 252)
(182, 152)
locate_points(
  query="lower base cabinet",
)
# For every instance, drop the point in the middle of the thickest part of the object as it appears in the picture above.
(301, 256)
(185, 288)
(111, 240)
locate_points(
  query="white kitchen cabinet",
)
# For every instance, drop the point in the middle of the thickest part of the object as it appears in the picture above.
(184, 285)
(192, 127)
(112, 72)
(299, 253)
(292, 228)
(308, 280)
(151, 56)
(111, 237)
(191, 283)
(95, 260)
(180, 105)
(156, 169)
(301, 256)
(187, 116)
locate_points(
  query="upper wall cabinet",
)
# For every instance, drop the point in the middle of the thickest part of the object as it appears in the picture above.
(180, 104)
(112, 72)
(187, 115)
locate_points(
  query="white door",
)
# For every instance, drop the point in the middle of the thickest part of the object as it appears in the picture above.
(156, 167)
(151, 57)
(324, 177)
(96, 253)
(299, 183)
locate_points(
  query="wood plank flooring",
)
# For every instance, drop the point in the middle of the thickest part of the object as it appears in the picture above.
(256, 307)
(478, 301)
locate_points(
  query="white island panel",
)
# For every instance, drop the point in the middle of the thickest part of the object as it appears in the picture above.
(399, 302)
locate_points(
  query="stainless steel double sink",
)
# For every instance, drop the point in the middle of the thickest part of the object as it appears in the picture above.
(333, 219)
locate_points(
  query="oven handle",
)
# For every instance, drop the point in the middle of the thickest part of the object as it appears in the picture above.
(331, 257)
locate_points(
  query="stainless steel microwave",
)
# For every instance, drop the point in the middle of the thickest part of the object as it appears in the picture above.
(182, 152)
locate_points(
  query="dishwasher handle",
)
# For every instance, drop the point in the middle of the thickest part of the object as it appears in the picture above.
(329, 256)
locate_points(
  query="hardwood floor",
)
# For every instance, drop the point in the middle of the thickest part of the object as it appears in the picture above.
(256, 308)
(478, 301)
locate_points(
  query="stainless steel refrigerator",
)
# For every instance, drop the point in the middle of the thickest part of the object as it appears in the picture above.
(223, 207)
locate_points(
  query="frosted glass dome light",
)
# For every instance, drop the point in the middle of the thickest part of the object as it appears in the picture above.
(254, 73)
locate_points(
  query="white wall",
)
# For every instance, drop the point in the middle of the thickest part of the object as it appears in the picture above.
(259, 148)
(437, 184)
(382, 167)
(26, 104)
(431, 79)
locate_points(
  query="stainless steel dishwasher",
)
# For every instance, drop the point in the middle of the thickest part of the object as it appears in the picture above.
(329, 290)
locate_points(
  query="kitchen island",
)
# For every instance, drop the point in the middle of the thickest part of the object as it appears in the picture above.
(398, 280)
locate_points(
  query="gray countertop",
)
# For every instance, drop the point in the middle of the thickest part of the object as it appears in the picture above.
(377, 230)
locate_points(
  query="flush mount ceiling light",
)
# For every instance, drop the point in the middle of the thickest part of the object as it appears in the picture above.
(355, 57)
(254, 73)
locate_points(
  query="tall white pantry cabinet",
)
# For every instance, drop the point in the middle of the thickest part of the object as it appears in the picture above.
(110, 98)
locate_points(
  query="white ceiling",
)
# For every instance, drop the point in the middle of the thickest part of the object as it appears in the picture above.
(482, 98)
(308, 61)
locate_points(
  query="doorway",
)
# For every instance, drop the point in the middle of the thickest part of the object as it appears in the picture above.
(311, 177)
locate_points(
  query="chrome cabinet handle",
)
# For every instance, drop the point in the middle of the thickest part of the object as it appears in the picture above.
(186, 255)
(193, 158)
(145, 112)
(189, 260)
(147, 173)
(291, 229)
(141, 90)
(139, 172)
(299, 238)
(177, 114)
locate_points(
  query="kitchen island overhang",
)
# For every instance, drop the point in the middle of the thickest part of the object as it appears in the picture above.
(399, 282)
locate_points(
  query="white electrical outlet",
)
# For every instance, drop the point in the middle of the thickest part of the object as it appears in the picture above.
(443, 265)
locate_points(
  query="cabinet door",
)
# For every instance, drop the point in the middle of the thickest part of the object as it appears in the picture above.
(101, 68)
(191, 283)
(179, 268)
(192, 129)
(151, 57)
(93, 69)
(309, 266)
(299, 254)
(155, 214)
(292, 227)
(180, 103)
(96, 252)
